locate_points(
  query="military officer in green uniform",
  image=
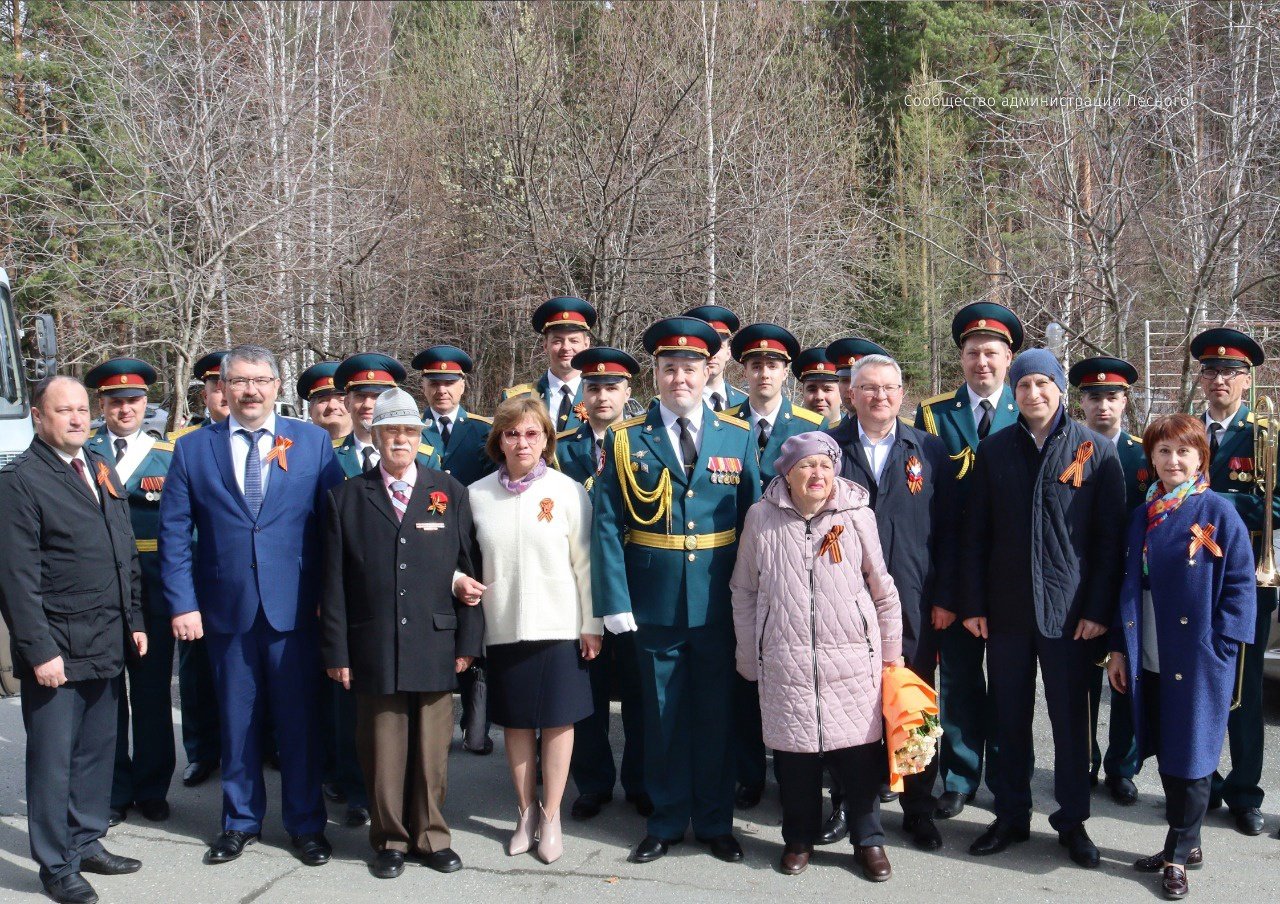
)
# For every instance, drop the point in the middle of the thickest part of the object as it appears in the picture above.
(764, 350)
(1226, 359)
(141, 780)
(819, 385)
(326, 407)
(565, 325)
(201, 725)
(458, 434)
(606, 377)
(1104, 393)
(987, 335)
(844, 353)
(669, 504)
(718, 392)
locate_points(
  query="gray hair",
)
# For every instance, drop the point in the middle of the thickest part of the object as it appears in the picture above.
(874, 361)
(249, 354)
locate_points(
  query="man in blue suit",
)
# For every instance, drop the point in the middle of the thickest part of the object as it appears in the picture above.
(253, 487)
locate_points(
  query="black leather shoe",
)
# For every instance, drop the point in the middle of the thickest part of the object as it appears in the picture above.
(1123, 790)
(313, 849)
(998, 836)
(1249, 821)
(951, 803)
(643, 804)
(105, 863)
(887, 795)
(333, 792)
(748, 796)
(357, 817)
(229, 846)
(588, 805)
(724, 847)
(443, 861)
(923, 831)
(1155, 863)
(836, 827)
(484, 749)
(650, 849)
(153, 810)
(117, 816)
(387, 864)
(1080, 846)
(71, 889)
(197, 773)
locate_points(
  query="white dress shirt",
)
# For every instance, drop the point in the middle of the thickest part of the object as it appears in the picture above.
(722, 389)
(1225, 422)
(975, 405)
(452, 416)
(360, 447)
(673, 429)
(877, 451)
(240, 449)
(136, 449)
(553, 391)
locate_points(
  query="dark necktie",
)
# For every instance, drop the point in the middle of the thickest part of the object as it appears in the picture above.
(717, 403)
(762, 433)
(369, 463)
(984, 423)
(566, 407)
(1214, 430)
(122, 446)
(84, 475)
(445, 431)
(688, 451)
(253, 472)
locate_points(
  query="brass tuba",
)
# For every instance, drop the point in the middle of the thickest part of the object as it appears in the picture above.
(1266, 441)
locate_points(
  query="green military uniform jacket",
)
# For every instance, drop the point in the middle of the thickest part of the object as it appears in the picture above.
(791, 420)
(576, 454)
(1138, 476)
(345, 450)
(1231, 474)
(143, 490)
(465, 458)
(663, 543)
(949, 417)
(576, 417)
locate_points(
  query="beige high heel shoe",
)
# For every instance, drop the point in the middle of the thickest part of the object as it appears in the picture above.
(550, 841)
(526, 829)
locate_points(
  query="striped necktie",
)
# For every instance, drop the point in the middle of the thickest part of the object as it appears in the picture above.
(400, 498)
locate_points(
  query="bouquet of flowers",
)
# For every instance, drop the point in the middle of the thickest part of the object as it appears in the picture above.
(911, 723)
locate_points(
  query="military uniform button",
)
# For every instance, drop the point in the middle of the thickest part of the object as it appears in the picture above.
(690, 525)
(692, 557)
(688, 494)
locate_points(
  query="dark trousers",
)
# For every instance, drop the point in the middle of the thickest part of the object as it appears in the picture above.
(1242, 787)
(146, 707)
(71, 739)
(966, 712)
(593, 766)
(748, 734)
(1186, 800)
(341, 762)
(404, 742)
(474, 691)
(1121, 759)
(201, 734)
(860, 770)
(686, 676)
(259, 668)
(1064, 670)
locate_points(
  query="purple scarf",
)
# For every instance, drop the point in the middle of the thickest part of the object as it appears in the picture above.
(519, 486)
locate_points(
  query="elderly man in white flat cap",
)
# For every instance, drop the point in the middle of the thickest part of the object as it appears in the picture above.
(399, 620)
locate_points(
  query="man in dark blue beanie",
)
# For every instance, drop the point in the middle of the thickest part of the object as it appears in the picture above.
(1046, 594)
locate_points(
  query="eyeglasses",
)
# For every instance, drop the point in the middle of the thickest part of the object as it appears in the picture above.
(244, 382)
(1211, 374)
(514, 436)
(873, 390)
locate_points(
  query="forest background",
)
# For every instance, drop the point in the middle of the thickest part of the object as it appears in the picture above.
(332, 177)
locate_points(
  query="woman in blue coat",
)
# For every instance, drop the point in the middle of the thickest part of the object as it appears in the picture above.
(1186, 606)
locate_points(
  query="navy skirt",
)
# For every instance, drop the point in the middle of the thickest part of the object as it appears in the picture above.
(537, 684)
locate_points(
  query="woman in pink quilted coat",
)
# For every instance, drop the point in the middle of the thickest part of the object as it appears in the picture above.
(817, 618)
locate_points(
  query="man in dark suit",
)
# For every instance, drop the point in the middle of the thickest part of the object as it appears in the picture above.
(911, 480)
(70, 593)
(253, 488)
(398, 552)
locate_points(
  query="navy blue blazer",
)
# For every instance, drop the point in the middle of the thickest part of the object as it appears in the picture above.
(242, 563)
(1203, 613)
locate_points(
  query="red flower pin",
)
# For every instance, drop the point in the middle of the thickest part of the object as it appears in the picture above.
(439, 502)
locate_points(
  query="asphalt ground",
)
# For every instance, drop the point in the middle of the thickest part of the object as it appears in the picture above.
(481, 811)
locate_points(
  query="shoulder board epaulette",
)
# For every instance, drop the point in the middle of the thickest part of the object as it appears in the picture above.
(806, 415)
(944, 397)
(905, 421)
(522, 389)
(480, 417)
(565, 434)
(730, 419)
(162, 445)
(173, 437)
(424, 449)
(1136, 439)
(630, 422)
(1254, 419)
(337, 443)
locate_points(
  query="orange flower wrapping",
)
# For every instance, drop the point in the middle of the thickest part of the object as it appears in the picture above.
(831, 545)
(104, 480)
(278, 451)
(439, 502)
(907, 700)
